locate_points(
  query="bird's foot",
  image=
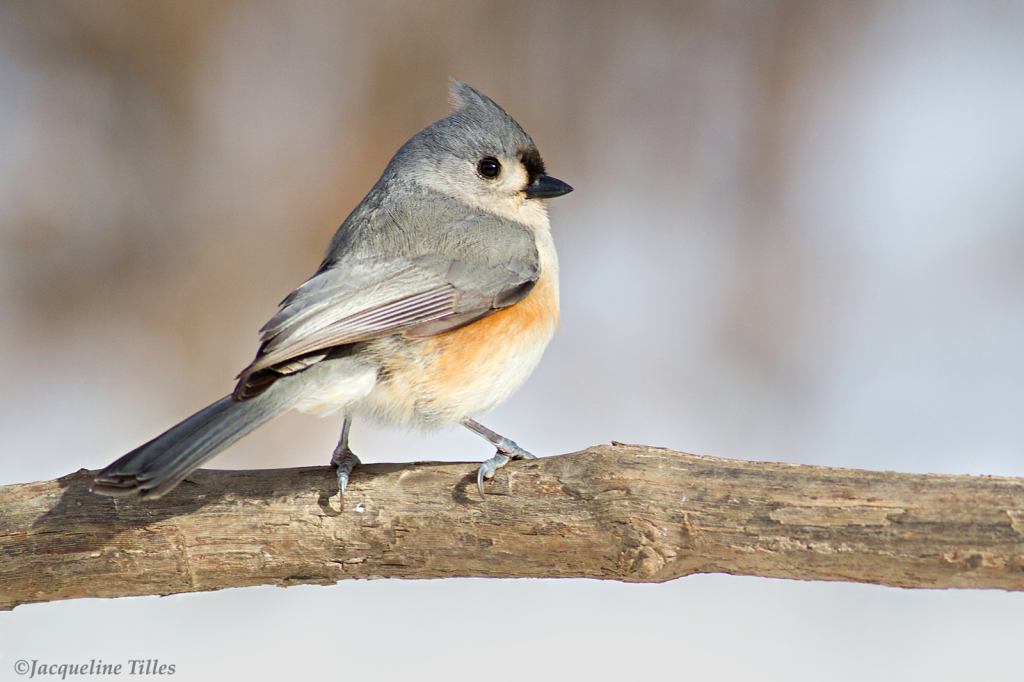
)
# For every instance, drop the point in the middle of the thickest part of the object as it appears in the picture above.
(507, 451)
(345, 460)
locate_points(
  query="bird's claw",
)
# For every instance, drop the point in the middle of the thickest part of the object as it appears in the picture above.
(488, 468)
(482, 473)
(345, 461)
(500, 459)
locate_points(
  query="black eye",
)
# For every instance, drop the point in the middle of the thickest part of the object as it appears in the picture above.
(489, 167)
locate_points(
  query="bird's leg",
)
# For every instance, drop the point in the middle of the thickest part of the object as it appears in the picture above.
(343, 457)
(507, 450)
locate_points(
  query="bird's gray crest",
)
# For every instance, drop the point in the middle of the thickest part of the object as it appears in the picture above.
(464, 95)
(478, 122)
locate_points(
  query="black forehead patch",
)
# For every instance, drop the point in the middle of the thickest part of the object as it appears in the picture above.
(532, 162)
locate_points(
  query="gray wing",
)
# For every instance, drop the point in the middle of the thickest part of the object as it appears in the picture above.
(440, 281)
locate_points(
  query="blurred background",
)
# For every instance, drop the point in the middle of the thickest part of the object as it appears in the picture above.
(797, 235)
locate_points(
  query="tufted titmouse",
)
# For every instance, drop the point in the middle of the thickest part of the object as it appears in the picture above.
(435, 301)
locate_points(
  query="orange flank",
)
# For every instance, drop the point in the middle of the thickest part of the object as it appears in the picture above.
(481, 349)
(437, 380)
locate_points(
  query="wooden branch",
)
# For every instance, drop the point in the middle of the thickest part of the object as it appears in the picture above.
(617, 512)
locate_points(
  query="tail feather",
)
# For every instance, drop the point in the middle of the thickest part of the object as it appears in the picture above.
(153, 469)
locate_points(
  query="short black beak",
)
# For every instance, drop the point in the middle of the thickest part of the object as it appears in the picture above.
(547, 187)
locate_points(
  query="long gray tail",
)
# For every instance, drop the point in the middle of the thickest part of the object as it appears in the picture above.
(153, 469)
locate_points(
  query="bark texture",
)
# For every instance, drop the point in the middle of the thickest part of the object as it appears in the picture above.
(619, 512)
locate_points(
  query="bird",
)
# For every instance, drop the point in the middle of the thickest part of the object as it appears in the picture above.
(433, 304)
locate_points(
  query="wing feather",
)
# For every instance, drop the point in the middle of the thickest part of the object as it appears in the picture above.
(446, 281)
